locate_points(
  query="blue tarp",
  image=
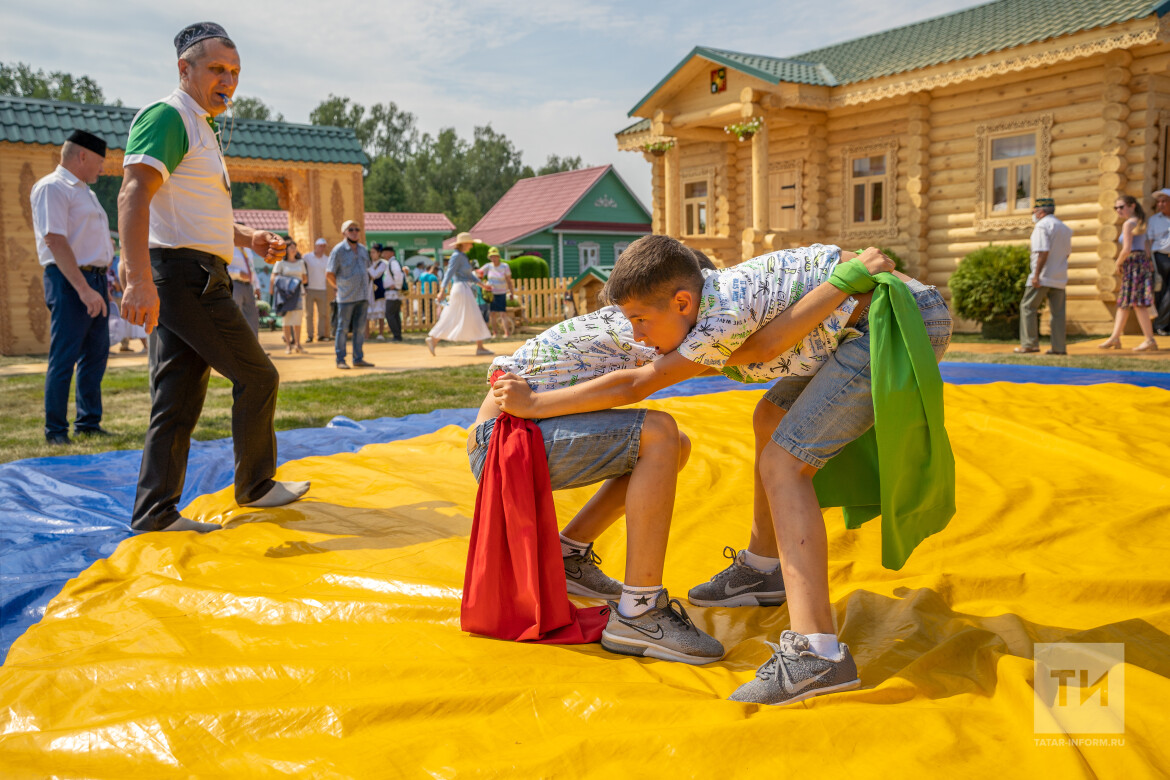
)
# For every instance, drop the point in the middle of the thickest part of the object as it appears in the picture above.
(61, 514)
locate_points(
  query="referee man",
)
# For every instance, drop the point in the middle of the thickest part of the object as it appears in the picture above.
(178, 235)
(73, 245)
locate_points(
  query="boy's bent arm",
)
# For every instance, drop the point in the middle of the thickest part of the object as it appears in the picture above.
(788, 327)
(617, 388)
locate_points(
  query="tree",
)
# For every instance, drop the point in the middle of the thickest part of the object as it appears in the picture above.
(386, 131)
(20, 80)
(385, 189)
(253, 108)
(556, 164)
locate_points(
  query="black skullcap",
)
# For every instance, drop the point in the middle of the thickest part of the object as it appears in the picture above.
(88, 141)
(193, 33)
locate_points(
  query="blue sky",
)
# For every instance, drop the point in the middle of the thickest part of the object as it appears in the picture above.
(556, 77)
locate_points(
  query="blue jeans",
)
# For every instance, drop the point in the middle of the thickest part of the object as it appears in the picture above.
(350, 315)
(834, 406)
(75, 340)
(582, 448)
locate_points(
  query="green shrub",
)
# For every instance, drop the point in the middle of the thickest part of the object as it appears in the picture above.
(478, 254)
(989, 283)
(528, 267)
(512, 303)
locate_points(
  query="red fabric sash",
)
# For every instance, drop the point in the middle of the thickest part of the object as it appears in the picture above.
(514, 586)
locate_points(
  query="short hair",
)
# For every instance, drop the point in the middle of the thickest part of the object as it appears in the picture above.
(70, 150)
(705, 263)
(652, 269)
(195, 51)
(1047, 209)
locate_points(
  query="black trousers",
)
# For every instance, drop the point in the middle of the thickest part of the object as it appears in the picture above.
(394, 318)
(1162, 298)
(201, 327)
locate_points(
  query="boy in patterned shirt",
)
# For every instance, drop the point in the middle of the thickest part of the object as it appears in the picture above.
(701, 320)
(637, 453)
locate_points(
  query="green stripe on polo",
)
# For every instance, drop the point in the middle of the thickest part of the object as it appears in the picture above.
(159, 132)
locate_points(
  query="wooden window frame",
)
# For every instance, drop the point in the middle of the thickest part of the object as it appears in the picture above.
(887, 226)
(581, 246)
(987, 220)
(691, 176)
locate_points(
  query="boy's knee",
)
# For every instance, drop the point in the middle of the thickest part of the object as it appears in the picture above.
(684, 449)
(659, 430)
(778, 464)
(765, 419)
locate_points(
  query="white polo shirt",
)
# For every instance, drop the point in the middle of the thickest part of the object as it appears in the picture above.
(193, 208)
(65, 205)
(315, 265)
(1054, 237)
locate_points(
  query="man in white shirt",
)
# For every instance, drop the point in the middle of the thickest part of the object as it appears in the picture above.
(1051, 244)
(395, 279)
(177, 228)
(245, 286)
(317, 292)
(1158, 241)
(73, 246)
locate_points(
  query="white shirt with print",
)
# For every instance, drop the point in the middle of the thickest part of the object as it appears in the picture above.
(738, 301)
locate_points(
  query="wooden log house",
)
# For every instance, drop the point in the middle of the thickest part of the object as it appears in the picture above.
(930, 139)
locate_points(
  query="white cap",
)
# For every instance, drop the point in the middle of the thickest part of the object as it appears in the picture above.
(321, 241)
(1164, 191)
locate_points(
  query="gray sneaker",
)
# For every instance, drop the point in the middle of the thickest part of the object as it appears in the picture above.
(739, 585)
(665, 632)
(795, 673)
(583, 577)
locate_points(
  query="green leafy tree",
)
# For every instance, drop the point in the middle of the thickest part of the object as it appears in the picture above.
(555, 164)
(253, 108)
(20, 80)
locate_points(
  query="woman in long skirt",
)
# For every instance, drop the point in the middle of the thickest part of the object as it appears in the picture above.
(460, 319)
(1136, 268)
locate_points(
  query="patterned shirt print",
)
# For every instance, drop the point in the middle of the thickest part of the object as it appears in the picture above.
(576, 350)
(738, 301)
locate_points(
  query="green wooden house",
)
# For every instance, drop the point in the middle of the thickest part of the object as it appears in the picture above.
(574, 219)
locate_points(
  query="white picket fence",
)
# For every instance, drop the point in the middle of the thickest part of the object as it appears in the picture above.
(541, 301)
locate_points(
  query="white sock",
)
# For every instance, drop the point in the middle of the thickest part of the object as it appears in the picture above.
(636, 601)
(281, 493)
(826, 646)
(760, 562)
(570, 546)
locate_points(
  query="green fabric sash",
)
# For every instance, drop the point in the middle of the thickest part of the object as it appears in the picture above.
(903, 467)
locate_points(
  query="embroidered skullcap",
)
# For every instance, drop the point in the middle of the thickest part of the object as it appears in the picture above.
(1044, 203)
(193, 33)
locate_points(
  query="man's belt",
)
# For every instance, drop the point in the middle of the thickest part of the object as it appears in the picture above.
(182, 253)
(91, 268)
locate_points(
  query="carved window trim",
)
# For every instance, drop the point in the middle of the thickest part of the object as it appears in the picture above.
(1041, 124)
(688, 176)
(797, 168)
(888, 226)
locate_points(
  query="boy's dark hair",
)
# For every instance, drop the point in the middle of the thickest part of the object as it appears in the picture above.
(705, 263)
(652, 269)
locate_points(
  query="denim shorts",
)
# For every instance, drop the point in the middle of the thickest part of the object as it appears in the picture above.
(582, 448)
(834, 406)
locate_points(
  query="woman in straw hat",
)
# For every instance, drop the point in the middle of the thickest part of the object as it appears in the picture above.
(461, 319)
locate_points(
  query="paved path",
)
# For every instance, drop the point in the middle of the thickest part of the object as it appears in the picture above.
(318, 361)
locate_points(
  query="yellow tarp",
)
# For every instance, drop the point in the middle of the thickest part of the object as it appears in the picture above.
(323, 640)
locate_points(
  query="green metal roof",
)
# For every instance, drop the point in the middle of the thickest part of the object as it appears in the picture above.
(599, 272)
(640, 126)
(28, 121)
(991, 27)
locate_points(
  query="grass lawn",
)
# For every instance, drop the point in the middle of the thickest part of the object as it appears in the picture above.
(126, 406)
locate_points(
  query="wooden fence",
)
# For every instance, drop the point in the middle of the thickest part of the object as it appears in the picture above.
(541, 301)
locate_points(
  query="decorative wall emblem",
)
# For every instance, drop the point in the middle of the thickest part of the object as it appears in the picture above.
(718, 80)
(605, 202)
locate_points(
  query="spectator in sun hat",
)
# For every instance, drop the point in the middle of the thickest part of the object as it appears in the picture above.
(461, 319)
(348, 271)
